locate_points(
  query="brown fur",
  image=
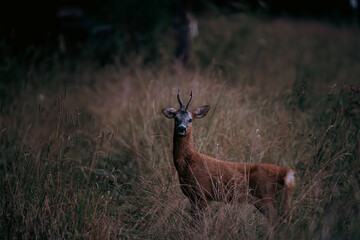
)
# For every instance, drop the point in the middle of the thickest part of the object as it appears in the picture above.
(204, 179)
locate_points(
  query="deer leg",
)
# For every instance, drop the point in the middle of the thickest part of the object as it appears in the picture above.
(285, 203)
(264, 200)
(267, 206)
(197, 209)
(197, 213)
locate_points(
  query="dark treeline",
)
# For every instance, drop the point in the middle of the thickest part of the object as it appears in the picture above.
(132, 24)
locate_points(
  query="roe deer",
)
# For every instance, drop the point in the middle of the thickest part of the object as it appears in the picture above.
(204, 179)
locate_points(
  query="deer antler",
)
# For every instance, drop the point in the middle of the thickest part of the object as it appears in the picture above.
(179, 99)
(190, 101)
(196, 171)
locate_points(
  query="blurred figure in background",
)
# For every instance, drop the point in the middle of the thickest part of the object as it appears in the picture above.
(354, 4)
(185, 27)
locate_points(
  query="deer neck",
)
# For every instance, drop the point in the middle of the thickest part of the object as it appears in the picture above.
(183, 149)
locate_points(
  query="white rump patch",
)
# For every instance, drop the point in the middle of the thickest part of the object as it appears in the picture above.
(290, 179)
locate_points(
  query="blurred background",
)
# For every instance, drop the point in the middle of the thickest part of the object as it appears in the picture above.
(151, 30)
(110, 28)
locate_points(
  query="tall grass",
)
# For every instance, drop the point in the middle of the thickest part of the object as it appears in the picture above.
(89, 155)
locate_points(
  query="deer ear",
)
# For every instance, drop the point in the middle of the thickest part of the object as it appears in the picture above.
(201, 111)
(169, 112)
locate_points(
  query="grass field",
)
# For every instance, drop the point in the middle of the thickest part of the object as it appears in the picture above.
(86, 152)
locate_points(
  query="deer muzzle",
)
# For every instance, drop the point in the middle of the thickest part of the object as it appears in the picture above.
(181, 130)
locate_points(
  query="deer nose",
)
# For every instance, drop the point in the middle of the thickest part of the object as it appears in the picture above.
(181, 129)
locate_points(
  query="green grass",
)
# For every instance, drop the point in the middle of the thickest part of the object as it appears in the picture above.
(86, 152)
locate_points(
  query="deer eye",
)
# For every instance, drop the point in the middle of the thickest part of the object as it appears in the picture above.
(190, 120)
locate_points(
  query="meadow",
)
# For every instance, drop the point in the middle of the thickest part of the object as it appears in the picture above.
(87, 154)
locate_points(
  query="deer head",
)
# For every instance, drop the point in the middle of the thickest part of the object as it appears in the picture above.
(183, 116)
